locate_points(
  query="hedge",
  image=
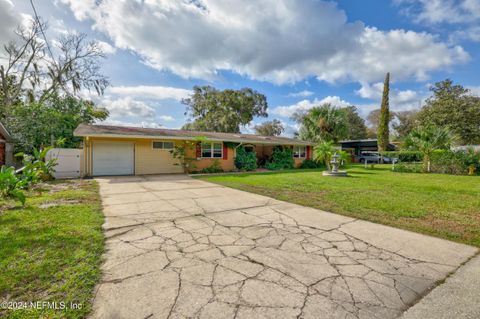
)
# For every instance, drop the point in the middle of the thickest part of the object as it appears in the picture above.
(405, 156)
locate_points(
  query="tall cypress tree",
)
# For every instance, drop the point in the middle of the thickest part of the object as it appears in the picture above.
(383, 131)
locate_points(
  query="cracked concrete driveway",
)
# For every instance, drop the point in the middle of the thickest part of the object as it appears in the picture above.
(180, 248)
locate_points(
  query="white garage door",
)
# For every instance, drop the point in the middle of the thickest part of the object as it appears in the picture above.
(113, 158)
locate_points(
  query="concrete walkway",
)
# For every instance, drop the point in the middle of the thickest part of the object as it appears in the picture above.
(458, 297)
(182, 248)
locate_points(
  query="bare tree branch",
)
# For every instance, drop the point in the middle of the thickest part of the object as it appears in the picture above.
(73, 65)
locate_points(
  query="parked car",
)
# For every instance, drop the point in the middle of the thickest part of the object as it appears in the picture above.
(375, 157)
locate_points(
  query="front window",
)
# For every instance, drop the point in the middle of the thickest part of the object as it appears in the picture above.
(212, 150)
(162, 145)
(299, 151)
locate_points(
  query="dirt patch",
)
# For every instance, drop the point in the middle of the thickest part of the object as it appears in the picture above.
(59, 186)
(59, 203)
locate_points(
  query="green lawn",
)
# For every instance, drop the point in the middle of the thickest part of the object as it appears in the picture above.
(51, 253)
(445, 206)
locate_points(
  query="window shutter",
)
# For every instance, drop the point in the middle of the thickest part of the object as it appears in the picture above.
(198, 150)
(308, 152)
(225, 151)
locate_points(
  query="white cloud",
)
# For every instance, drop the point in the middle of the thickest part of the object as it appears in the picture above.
(370, 91)
(114, 122)
(166, 118)
(304, 93)
(150, 92)
(470, 34)
(280, 41)
(399, 99)
(127, 107)
(127, 103)
(304, 105)
(474, 89)
(442, 11)
(9, 20)
(106, 47)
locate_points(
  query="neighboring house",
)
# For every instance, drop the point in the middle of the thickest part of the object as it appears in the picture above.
(120, 150)
(6, 147)
(356, 147)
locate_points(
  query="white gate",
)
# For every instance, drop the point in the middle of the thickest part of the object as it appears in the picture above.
(69, 162)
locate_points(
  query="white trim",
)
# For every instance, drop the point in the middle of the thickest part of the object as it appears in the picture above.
(211, 149)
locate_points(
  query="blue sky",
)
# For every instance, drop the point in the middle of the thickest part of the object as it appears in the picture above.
(298, 53)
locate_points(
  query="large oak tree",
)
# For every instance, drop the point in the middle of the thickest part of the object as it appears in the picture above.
(356, 124)
(226, 111)
(269, 128)
(454, 107)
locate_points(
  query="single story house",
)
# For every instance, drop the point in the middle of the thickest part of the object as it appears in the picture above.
(120, 150)
(356, 147)
(6, 147)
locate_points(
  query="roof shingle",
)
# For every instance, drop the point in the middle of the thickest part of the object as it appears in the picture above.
(141, 132)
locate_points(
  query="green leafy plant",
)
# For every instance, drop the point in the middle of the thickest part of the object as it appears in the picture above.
(231, 144)
(345, 157)
(383, 132)
(308, 163)
(456, 162)
(35, 167)
(322, 123)
(405, 156)
(282, 158)
(408, 167)
(427, 140)
(245, 161)
(323, 153)
(181, 153)
(11, 185)
(214, 168)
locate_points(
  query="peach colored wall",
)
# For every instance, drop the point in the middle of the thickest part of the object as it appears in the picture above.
(227, 165)
(147, 159)
(298, 161)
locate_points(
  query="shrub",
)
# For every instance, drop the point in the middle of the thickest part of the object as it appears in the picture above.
(245, 161)
(345, 157)
(408, 167)
(308, 163)
(323, 153)
(405, 156)
(11, 185)
(214, 168)
(456, 162)
(282, 158)
(35, 168)
(447, 162)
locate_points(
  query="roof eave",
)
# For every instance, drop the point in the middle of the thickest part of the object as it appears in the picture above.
(191, 138)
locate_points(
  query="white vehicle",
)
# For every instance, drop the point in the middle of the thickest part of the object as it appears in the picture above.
(375, 157)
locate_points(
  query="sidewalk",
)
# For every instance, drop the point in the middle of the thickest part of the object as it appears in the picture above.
(458, 297)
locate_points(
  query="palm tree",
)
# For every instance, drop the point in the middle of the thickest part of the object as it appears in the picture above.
(427, 140)
(323, 153)
(323, 123)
